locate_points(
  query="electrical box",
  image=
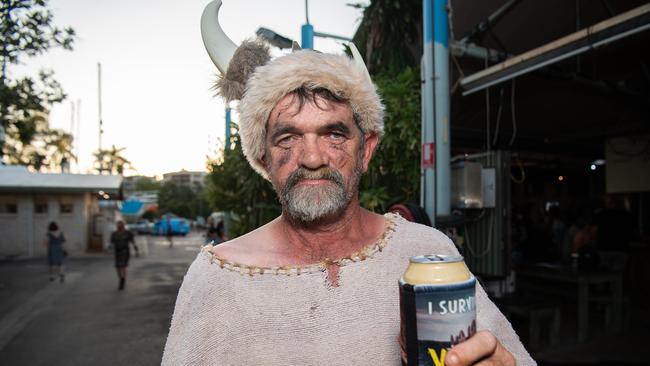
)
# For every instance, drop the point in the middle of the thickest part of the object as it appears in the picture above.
(466, 185)
(488, 181)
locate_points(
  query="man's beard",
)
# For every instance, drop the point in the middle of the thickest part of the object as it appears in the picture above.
(307, 204)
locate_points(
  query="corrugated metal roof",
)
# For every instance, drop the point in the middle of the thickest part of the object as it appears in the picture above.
(19, 179)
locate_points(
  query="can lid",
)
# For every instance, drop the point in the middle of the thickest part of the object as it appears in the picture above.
(436, 258)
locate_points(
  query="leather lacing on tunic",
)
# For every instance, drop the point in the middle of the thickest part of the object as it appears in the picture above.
(363, 254)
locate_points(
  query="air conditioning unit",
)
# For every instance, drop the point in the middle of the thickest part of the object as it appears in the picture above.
(466, 185)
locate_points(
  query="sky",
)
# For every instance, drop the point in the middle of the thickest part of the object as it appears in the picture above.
(156, 78)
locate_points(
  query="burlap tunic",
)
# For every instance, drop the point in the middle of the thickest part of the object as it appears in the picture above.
(227, 314)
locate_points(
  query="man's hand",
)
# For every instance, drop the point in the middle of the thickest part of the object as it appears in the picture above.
(483, 348)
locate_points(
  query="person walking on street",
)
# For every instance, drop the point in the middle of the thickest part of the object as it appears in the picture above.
(120, 240)
(170, 232)
(55, 251)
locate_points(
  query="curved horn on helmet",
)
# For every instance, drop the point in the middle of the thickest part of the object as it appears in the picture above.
(358, 60)
(219, 46)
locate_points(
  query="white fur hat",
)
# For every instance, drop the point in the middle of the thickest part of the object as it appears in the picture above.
(248, 75)
(307, 69)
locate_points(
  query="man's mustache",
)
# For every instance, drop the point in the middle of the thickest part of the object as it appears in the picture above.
(301, 174)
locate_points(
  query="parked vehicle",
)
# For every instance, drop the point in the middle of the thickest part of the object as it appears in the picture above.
(141, 227)
(179, 226)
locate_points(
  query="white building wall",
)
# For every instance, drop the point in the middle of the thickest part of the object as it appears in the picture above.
(24, 233)
(14, 233)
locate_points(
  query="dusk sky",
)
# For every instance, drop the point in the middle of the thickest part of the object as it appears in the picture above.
(156, 74)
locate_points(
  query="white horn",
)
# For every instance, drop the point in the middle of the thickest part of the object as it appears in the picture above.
(358, 60)
(219, 46)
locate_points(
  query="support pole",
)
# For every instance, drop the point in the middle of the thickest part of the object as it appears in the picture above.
(307, 30)
(441, 100)
(307, 36)
(228, 123)
(99, 105)
(428, 184)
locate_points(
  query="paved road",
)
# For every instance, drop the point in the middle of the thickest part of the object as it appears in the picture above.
(86, 321)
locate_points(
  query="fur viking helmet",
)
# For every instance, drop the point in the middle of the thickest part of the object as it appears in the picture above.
(248, 74)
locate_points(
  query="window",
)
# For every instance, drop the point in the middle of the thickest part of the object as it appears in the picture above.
(65, 208)
(8, 208)
(40, 208)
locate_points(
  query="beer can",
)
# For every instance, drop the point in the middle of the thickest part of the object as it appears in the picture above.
(437, 308)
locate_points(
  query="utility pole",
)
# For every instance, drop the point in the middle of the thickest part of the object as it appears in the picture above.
(78, 134)
(441, 77)
(99, 103)
(100, 157)
(308, 33)
(428, 161)
(435, 180)
(307, 30)
(228, 123)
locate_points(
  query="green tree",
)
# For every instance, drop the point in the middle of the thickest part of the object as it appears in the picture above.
(147, 184)
(111, 161)
(390, 38)
(59, 149)
(27, 30)
(390, 34)
(182, 201)
(394, 173)
(233, 186)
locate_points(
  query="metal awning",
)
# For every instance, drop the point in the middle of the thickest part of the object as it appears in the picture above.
(609, 30)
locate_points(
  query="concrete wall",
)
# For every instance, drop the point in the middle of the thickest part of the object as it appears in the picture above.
(14, 236)
(628, 164)
(24, 233)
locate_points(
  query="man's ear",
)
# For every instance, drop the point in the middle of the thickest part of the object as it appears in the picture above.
(263, 161)
(370, 144)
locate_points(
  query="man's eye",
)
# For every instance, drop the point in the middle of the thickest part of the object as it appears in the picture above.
(336, 136)
(286, 141)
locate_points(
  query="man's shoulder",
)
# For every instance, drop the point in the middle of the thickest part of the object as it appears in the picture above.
(244, 248)
(422, 238)
(415, 230)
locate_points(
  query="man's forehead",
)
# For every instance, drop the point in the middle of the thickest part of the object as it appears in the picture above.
(291, 106)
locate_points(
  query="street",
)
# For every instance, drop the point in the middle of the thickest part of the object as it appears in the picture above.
(86, 320)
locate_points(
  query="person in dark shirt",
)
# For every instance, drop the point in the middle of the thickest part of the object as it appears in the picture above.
(55, 251)
(120, 240)
(616, 226)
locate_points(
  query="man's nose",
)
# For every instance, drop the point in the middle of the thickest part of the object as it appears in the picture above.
(313, 155)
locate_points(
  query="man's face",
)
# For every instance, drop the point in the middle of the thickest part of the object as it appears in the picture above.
(315, 157)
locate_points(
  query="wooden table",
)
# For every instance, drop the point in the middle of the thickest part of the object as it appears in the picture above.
(583, 280)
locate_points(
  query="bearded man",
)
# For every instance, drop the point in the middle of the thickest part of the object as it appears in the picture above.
(317, 285)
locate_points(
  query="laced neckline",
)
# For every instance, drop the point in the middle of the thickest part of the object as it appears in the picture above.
(361, 255)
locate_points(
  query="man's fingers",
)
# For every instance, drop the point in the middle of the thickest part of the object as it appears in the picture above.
(501, 357)
(477, 347)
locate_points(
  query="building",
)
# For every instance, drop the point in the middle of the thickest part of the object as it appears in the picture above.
(84, 206)
(194, 180)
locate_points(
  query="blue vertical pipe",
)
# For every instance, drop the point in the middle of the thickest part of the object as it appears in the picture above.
(441, 100)
(307, 36)
(228, 123)
(226, 219)
(428, 184)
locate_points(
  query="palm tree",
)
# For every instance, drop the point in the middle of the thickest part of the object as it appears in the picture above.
(111, 161)
(59, 148)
